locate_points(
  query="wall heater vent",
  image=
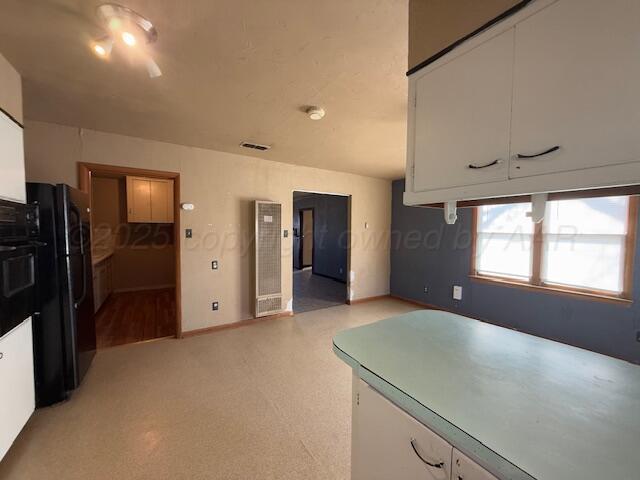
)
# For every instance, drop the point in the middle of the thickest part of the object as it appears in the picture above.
(268, 266)
(255, 146)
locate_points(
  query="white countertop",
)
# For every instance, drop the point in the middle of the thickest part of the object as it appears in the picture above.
(555, 411)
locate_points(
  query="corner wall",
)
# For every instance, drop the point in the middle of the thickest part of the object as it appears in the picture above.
(427, 252)
(223, 187)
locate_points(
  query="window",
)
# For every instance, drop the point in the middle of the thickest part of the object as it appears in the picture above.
(584, 245)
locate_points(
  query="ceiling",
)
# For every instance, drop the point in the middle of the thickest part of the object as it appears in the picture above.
(233, 70)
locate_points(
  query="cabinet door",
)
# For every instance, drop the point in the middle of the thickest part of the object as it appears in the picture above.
(577, 72)
(382, 443)
(161, 201)
(17, 400)
(138, 200)
(466, 469)
(12, 186)
(462, 117)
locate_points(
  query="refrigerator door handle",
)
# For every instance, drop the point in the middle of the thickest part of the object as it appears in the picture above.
(84, 283)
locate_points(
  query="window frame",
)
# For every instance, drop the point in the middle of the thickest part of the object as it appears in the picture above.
(536, 283)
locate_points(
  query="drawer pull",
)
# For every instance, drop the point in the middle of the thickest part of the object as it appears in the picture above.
(546, 152)
(473, 166)
(426, 462)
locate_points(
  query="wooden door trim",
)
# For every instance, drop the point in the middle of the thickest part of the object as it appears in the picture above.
(85, 173)
(313, 246)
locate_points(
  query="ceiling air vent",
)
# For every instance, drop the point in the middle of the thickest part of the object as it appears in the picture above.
(255, 146)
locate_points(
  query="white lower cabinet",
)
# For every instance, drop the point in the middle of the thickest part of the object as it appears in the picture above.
(389, 444)
(102, 282)
(466, 469)
(17, 391)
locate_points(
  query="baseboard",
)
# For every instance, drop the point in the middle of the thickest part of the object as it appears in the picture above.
(229, 326)
(422, 304)
(329, 277)
(367, 299)
(142, 289)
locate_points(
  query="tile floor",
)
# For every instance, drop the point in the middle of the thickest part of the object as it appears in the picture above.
(266, 401)
(313, 292)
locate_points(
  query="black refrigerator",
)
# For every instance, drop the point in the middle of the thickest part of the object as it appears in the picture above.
(64, 334)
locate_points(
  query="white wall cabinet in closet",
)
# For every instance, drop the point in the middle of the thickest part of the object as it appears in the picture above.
(576, 77)
(149, 200)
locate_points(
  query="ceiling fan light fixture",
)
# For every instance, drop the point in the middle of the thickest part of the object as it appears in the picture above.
(129, 39)
(102, 48)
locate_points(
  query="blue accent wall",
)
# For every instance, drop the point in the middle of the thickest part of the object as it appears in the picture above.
(427, 252)
(330, 235)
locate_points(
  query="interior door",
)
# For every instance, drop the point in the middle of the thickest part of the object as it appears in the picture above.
(306, 239)
(576, 80)
(462, 117)
(138, 200)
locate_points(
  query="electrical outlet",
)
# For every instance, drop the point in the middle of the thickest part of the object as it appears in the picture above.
(426, 289)
(214, 265)
(286, 234)
(457, 292)
(214, 306)
(188, 233)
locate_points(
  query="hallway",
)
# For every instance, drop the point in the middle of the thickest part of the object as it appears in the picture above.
(313, 292)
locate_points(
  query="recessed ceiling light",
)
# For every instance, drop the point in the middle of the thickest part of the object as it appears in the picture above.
(99, 49)
(315, 113)
(129, 39)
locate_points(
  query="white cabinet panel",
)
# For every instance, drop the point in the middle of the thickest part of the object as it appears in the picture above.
(466, 469)
(576, 77)
(382, 443)
(462, 115)
(12, 183)
(17, 400)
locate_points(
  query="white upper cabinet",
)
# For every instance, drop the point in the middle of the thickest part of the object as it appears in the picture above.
(462, 115)
(576, 77)
(545, 100)
(12, 182)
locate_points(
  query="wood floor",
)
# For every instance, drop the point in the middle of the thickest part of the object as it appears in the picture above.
(131, 317)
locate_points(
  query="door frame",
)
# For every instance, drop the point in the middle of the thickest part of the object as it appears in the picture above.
(301, 237)
(86, 172)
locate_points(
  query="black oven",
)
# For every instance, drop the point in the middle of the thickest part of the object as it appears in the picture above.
(17, 265)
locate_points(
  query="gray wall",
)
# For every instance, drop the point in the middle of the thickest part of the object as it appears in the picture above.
(330, 235)
(427, 252)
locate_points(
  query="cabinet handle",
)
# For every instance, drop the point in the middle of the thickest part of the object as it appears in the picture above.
(478, 167)
(546, 152)
(426, 462)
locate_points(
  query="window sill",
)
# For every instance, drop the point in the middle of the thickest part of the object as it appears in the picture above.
(586, 295)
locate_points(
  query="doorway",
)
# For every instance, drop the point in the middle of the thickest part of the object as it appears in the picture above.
(135, 253)
(321, 250)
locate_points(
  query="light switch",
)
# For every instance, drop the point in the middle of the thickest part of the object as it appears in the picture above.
(457, 292)
(188, 233)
